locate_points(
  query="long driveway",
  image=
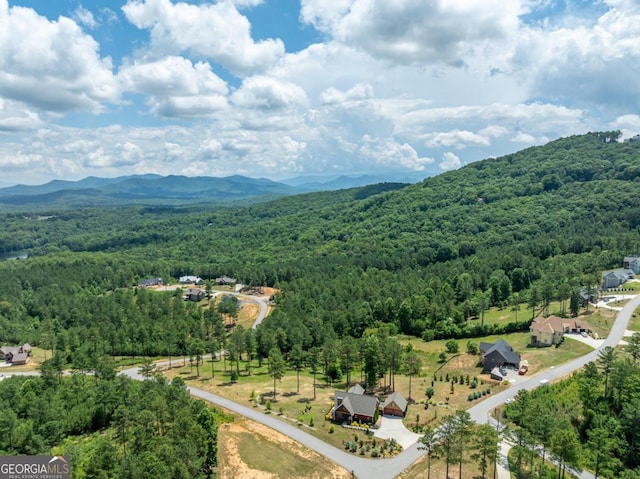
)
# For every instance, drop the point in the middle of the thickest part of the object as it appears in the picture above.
(254, 299)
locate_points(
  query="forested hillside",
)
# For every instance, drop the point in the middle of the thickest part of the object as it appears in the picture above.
(424, 260)
(525, 228)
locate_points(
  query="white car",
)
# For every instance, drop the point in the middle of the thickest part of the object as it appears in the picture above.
(508, 400)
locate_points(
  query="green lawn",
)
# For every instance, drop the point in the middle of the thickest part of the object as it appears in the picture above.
(634, 322)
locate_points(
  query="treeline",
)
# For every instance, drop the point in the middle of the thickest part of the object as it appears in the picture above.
(514, 232)
(589, 421)
(110, 426)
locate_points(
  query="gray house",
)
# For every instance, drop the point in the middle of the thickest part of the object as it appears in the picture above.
(615, 278)
(498, 354)
(632, 263)
(195, 294)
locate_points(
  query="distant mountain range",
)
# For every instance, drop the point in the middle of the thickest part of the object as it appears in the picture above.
(154, 189)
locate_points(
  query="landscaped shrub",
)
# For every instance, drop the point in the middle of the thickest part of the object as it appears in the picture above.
(331, 430)
(473, 384)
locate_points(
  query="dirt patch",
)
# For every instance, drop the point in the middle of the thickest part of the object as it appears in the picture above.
(247, 450)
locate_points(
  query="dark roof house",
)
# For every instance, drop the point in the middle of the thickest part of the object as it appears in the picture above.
(147, 283)
(349, 407)
(195, 294)
(498, 354)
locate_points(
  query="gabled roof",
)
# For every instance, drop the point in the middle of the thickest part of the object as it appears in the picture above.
(20, 358)
(10, 350)
(357, 403)
(397, 399)
(623, 274)
(554, 324)
(190, 279)
(356, 389)
(502, 348)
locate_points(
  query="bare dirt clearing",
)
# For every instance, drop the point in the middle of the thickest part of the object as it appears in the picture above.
(253, 451)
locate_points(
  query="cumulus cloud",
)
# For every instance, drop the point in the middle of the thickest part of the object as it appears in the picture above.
(414, 31)
(456, 139)
(15, 117)
(52, 65)
(361, 91)
(268, 93)
(215, 31)
(176, 87)
(450, 161)
(577, 63)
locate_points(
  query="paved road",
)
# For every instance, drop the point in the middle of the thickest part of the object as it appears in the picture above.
(480, 412)
(259, 301)
(362, 468)
(389, 468)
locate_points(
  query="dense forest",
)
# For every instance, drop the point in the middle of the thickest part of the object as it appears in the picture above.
(590, 420)
(426, 260)
(110, 426)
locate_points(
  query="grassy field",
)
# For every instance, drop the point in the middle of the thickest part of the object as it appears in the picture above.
(634, 323)
(302, 409)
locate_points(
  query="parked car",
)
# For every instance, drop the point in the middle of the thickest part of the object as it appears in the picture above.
(584, 334)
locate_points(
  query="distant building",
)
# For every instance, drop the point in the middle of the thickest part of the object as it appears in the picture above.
(632, 263)
(195, 294)
(548, 331)
(226, 280)
(633, 139)
(16, 355)
(147, 283)
(615, 278)
(190, 280)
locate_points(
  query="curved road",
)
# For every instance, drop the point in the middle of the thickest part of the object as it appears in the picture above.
(259, 301)
(480, 412)
(389, 468)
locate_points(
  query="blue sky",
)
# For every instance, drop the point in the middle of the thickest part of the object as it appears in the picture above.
(279, 88)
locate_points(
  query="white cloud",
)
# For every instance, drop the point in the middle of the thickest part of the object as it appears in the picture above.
(51, 65)
(214, 31)
(84, 17)
(456, 139)
(361, 91)
(176, 87)
(522, 137)
(15, 117)
(589, 64)
(449, 162)
(415, 31)
(268, 93)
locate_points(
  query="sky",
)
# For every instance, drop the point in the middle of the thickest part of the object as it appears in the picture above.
(284, 88)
